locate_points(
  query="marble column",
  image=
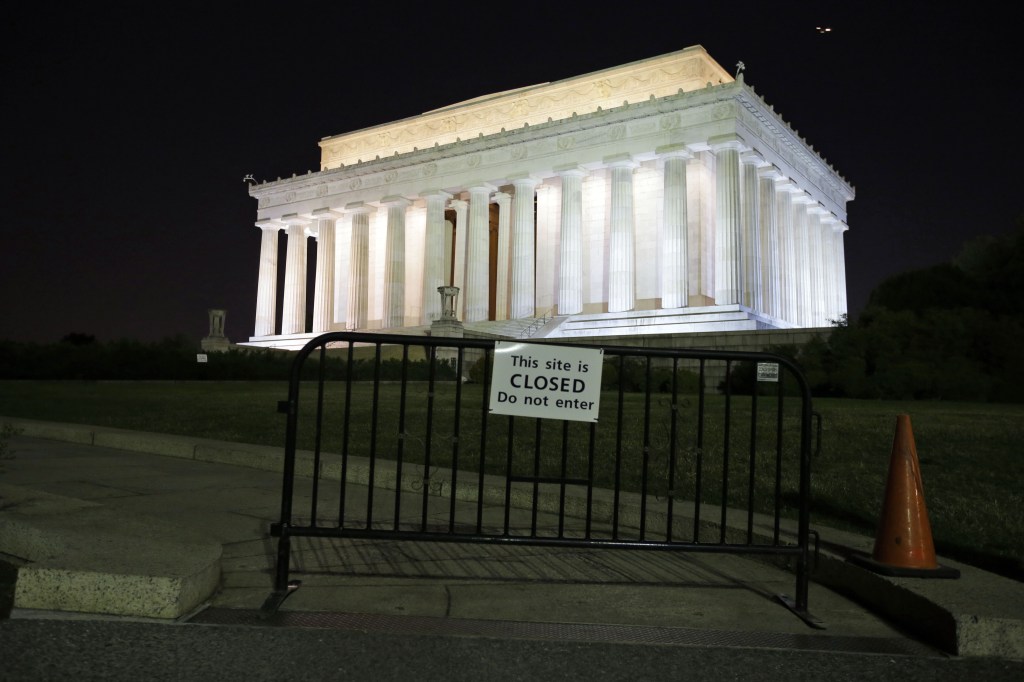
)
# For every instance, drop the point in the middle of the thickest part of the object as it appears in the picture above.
(523, 256)
(674, 252)
(323, 294)
(501, 297)
(266, 289)
(434, 275)
(476, 293)
(342, 267)
(393, 314)
(621, 236)
(818, 288)
(770, 278)
(359, 265)
(728, 222)
(750, 239)
(293, 314)
(802, 250)
(459, 270)
(787, 252)
(828, 252)
(570, 271)
(840, 268)
(449, 248)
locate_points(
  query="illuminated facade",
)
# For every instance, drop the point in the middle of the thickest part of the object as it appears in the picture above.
(658, 197)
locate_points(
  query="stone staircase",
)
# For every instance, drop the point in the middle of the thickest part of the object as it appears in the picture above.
(724, 318)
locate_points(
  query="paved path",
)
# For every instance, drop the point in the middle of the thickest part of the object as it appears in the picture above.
(79, 508)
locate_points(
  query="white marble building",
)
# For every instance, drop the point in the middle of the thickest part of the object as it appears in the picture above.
(658, 197)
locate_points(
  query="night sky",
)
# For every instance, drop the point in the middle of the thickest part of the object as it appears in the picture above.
(128, 127)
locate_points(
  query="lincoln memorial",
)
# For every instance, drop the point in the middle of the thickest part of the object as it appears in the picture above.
(661, 197)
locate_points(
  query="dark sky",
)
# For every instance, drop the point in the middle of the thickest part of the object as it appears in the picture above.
(128, 127)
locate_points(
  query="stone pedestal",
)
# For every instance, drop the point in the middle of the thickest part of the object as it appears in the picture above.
(448, 326)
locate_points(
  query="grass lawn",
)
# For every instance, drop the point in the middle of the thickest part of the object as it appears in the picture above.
(971, 454)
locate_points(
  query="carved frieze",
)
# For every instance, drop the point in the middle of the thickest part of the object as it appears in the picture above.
(643, 127)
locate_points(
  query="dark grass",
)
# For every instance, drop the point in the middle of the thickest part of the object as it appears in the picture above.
(970, 454)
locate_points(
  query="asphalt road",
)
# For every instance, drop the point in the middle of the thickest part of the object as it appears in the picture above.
(43, 649)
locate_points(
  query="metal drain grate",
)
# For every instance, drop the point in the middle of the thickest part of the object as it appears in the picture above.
(577, 632)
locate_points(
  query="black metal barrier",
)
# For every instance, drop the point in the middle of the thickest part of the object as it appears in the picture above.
(689, 453)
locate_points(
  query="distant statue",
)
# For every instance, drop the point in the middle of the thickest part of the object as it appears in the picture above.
(740, 67)
(448, 296)
(216, 341)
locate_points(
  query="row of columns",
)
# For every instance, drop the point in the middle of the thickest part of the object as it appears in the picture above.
(776, 251)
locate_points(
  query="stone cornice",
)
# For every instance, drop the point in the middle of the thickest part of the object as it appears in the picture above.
(800, 152)
(673, 120)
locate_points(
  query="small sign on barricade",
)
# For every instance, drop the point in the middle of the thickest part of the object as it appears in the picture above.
(550, 382)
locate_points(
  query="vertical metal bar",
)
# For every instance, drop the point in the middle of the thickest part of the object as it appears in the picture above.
(753, 463)
(455, 440)
(778, 457)
(590, 478)
(347, 420)
(672, 444)
(536, 475)
(401, 436)
(314, 503)
(805, 496)
(618, 452)
(288, 478)
(483, 442)
(508, 472)
(565, 464)
(699, 478)
(646, 449)
(428, 436)
(725, 451)
(371, 484)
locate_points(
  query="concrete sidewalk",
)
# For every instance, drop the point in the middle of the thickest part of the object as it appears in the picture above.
(106, 521)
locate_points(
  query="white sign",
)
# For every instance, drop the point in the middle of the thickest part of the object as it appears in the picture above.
(200, 357)
(768, 371)
(551, 382)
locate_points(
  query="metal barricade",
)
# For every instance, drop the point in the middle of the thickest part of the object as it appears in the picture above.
(676, 461)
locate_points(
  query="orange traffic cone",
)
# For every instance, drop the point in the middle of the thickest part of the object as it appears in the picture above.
(903, 545)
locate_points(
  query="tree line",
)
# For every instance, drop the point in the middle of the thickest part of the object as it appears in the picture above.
(80, 356)
(952, 331)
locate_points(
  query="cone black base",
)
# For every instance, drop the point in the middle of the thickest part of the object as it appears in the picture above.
(899, 571)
